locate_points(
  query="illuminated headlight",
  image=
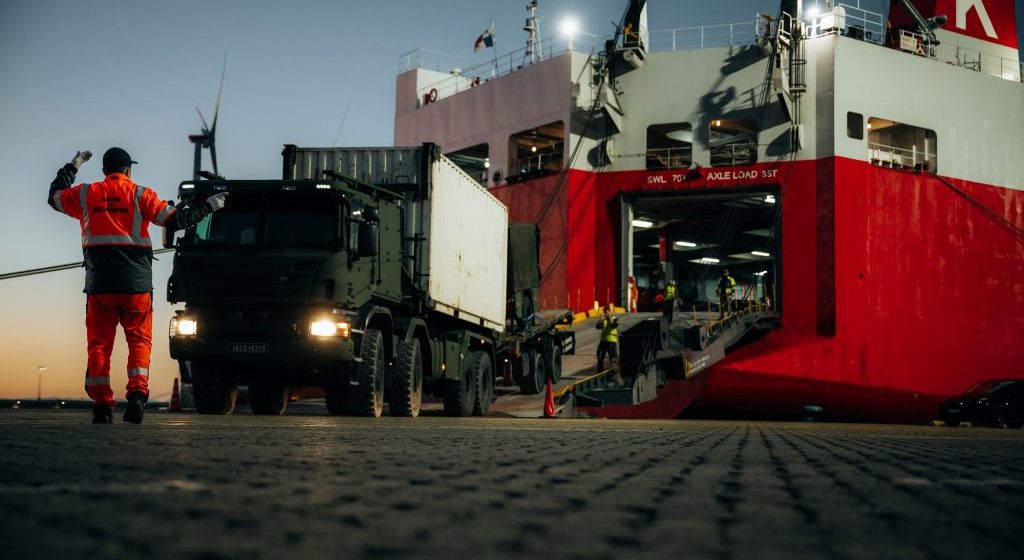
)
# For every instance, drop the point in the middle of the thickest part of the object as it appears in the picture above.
(329, 327)
(183, 326)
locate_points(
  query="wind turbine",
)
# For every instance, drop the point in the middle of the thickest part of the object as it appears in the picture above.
(208, 137)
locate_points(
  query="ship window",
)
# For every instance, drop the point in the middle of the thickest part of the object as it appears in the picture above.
(474, 160)
(732, 141)
(901, 146)
(669, 145)
(855, 125)
(536, 152)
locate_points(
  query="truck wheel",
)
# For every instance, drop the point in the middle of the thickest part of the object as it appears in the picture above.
(481, 367)
(367, 396)
(406, 392)
(268, 398)
(460, 395)
(337, 398)
(554, 365)
(534, 373)
(215, 391)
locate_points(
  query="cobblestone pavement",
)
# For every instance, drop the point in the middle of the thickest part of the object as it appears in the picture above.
(185, 486)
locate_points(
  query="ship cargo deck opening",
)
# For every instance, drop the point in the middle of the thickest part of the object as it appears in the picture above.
(692, 237)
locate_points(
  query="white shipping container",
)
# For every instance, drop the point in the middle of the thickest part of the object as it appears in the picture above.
(468, 240)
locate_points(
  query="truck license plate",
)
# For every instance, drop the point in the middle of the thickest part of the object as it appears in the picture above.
(249, 348)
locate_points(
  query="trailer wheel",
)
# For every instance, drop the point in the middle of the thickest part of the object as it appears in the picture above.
(554, 365)
(481, 367)
(214, 390)
(367, 393)
(460, 395)
(406, 392)
(535, 375)
(268, 397)
(336, 397)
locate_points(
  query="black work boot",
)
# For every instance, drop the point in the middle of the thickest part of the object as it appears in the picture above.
(133, 410)
(101, 414)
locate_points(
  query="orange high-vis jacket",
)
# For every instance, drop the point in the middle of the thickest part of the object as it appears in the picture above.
(114, 215)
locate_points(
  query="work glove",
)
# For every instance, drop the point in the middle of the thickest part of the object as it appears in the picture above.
(217, 201)
(80, 158)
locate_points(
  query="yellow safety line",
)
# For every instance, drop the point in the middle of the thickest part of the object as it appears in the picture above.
(567, 388)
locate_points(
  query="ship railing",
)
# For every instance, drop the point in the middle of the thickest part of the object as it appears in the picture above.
(669, 158)
(901, 158)
(955, 54)
(703, 37)
(848, 19)
(737, 153)
(547, 163)
(461, 78)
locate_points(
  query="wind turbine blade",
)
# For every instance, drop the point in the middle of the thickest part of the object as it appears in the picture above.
(216, 108)
(206, 129)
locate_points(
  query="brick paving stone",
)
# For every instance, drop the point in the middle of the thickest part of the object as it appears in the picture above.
(184, 486)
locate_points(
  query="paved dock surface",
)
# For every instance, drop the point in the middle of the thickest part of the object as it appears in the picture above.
(304, 486)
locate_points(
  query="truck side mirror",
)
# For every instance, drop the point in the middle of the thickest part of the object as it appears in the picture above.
(368, 238)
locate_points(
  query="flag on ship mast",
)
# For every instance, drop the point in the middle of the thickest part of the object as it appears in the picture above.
(486, 39)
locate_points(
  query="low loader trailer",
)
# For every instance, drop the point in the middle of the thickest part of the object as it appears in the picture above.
(377, 274)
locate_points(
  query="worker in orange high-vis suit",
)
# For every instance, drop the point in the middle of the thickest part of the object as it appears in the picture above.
(114, 214)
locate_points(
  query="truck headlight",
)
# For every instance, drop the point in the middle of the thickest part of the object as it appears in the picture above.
(329, 327)
(183, 326)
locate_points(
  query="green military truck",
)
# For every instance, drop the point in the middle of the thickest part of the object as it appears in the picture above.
(378, 274)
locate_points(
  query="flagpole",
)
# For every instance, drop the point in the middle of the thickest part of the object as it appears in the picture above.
(494, 44)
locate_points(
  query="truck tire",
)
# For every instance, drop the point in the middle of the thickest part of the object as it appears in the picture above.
(554, 365)
(460, 395)
(215, 391)
(367, 393)
(534, 373)
(406, 392)
(268, 398)
(336, 398)
(481, 367)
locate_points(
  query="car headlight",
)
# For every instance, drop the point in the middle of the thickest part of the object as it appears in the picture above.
(329, 327)
(183, 326)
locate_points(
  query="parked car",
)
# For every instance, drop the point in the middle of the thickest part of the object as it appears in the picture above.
(997, 403)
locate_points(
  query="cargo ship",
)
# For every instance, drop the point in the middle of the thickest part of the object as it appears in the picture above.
(858, 172)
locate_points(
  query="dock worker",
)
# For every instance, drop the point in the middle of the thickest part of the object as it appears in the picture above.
(670, 295)
(726, 289)
(114, 215)
(608, 324)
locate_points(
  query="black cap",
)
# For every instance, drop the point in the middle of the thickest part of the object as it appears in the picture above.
(116, 158)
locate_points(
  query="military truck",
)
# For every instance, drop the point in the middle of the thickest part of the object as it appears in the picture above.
(378, 274)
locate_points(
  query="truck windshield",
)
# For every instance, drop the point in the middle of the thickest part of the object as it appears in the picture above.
(272, 222)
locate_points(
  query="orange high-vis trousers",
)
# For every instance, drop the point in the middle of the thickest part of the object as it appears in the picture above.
(135, 314)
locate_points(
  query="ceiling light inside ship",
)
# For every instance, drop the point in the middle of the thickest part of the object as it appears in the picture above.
(533, 149)
(685, 244)
(709, 260)
(770, 199)
(760, 254)
(642, 223)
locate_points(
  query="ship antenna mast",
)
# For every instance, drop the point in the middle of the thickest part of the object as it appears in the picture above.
(534, 49)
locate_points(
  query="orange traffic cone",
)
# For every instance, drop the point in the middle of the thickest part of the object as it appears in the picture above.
(175, 405)
(549, 401)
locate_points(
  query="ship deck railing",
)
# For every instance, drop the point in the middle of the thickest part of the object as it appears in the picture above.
(462, 77)
(955, 54)
(901, 158)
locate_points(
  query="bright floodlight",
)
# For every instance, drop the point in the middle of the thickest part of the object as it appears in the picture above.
(813, 11)
(569, 27)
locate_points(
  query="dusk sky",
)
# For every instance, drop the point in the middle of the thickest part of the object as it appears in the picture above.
(91, 75)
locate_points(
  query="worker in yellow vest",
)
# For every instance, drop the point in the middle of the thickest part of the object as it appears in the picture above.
(670, 296)
(726, 289)
(608, 324)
